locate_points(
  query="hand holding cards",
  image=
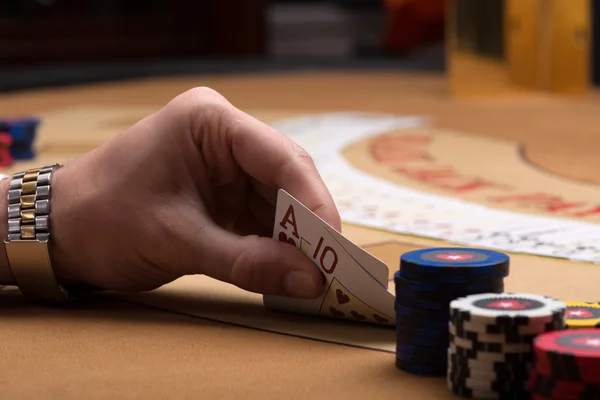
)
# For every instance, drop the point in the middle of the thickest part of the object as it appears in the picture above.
(356, 282)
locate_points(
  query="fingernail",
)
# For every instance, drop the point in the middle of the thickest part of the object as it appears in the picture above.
(300, 284)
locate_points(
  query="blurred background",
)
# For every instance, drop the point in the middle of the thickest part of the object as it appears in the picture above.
(62, 42)
(50, 42)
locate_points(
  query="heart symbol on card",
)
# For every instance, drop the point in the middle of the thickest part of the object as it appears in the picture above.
(380, 319)
(341, 297)
(283, 237)
(336, 313)
(358, 315)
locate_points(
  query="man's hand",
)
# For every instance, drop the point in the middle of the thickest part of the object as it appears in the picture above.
(190, 189)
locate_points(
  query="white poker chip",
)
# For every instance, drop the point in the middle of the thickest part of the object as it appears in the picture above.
(503, 337)
(487, 308)
(532, 327)
(489, 356)
(476, 394)
(489, 367)
(484, 385)
(474, 373)
(507, 348)
(483, 370)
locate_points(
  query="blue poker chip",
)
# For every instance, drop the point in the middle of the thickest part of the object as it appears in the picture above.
(417, 369)
(428, 324)
(416, 340)
(420, 314)
(443, 296)
(427, 319)
(413, 302)
(430, 349)
(444, 287)
(425, 360)
(454, 264)
(412, 330)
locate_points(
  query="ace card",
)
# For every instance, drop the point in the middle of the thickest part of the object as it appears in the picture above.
(356, 282)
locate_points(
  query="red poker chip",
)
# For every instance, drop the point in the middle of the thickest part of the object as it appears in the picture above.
(569, 355)
(581, 343)
(552, 388)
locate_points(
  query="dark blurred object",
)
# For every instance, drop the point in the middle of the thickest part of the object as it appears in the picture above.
(324, 29)
(6, 159)
(414, 23)
(596, 40)
(33, 31)
(485, 35)
(22, 132)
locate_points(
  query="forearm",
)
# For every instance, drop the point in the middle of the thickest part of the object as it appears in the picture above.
(6, 277)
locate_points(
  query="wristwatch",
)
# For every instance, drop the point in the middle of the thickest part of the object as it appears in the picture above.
(29, 233)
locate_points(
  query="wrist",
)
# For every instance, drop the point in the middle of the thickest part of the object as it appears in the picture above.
(6, 277)
(56, 247)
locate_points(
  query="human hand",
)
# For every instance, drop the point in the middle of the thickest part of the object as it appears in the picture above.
(188, 190)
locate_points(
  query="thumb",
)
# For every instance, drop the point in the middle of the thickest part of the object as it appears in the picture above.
(262, 265)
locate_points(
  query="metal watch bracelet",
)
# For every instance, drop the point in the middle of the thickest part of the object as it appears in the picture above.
(28, 235)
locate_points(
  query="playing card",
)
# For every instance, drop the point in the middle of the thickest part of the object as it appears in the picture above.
(371, 264)
(351, 288)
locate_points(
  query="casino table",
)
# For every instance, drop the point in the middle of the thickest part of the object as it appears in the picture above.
(198, 338)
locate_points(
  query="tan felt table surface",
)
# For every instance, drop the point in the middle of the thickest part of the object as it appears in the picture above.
(200, 339)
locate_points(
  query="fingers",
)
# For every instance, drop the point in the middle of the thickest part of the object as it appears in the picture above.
(274, 160)
(222, 131)
(260, 265)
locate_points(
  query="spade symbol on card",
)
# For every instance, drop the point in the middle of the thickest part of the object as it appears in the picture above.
(283, 237)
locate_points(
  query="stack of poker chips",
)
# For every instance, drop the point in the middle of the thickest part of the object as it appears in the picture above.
(491, 342)
(6, 159)
(23, 132)
(428, 280)
(582, 315)
(567, 365)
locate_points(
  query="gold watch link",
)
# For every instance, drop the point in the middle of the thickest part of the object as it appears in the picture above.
(29, 233)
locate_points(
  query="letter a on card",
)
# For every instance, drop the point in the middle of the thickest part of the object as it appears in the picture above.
(347, 268)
